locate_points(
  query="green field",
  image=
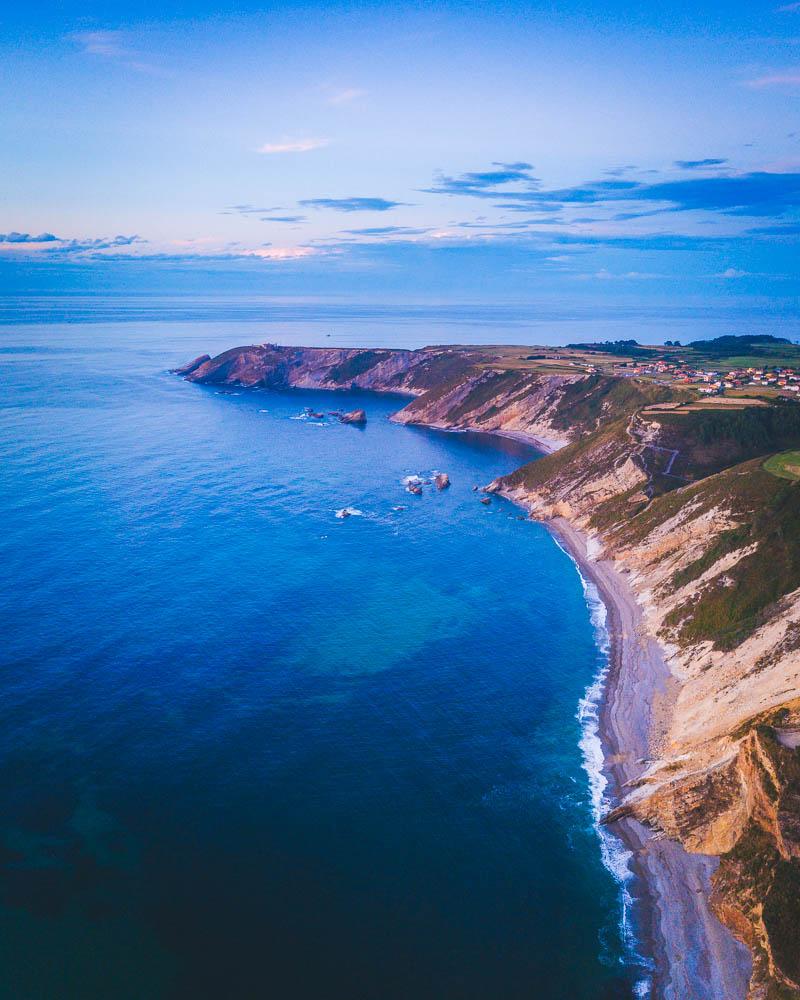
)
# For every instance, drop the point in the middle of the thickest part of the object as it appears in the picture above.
(788, 358)
(786, 465)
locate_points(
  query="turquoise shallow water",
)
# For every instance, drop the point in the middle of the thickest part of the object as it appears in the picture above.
(248, 749)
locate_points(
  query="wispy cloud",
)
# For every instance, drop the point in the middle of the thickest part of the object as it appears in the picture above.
(113, 45)
(100, 43)
(346, 95)
(485, 183)
(516, 224)
(100, 243)
(604, 275)
(228, 255)
(28, 238)
(135, 248)
(386, 231)
(248, 209)
(755, 193)
(283, 218)
(790, 78)
(353, 204)
(53, 245)
(281, 253)
(789, 8)
(293, 146)
(699, 164)
(517, 165)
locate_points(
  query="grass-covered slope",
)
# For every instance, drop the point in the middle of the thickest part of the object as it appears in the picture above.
(356, 365)
(765, 511)
(586, 404)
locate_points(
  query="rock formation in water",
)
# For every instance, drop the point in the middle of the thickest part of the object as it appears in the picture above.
(354, 417)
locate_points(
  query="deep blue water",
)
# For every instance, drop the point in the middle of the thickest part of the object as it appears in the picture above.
(248, 749)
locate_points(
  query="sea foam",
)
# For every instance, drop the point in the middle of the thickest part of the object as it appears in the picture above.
(615, 856)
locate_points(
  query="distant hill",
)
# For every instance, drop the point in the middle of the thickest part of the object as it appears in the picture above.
(626, 348)
(728, 346)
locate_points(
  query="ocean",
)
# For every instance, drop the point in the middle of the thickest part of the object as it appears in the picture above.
(252, 749)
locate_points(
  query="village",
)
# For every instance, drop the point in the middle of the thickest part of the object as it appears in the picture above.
(708, 381)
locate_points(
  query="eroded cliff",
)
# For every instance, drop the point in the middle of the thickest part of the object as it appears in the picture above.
(714, 561)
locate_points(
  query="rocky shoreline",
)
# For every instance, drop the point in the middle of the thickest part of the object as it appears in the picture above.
(693, 954)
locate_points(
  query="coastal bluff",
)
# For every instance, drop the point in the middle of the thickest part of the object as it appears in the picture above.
(674, 500)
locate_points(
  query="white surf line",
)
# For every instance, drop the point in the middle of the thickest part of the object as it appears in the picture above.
(614, 854)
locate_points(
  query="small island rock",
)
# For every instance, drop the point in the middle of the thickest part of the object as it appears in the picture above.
(354, 417)
(442, 480)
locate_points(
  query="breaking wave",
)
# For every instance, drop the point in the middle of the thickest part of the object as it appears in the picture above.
(615, 856)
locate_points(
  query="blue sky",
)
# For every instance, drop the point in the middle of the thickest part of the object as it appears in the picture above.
(456, 152)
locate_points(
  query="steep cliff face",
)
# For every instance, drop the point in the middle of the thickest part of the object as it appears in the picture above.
(715, 565)
(458, 387)
(710, 543)
(309, 368)
(502, 401)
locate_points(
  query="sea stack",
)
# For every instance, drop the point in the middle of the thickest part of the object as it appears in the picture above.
(442, 480)
(354, 417)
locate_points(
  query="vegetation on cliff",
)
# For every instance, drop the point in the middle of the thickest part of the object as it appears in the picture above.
(583, 405)
(757, 885)
(728, 609)
(356, 365)
(639, 480)
(709, 441)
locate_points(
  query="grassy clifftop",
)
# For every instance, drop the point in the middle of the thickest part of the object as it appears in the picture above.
(598, 399)
(765, 511)
(709, 441)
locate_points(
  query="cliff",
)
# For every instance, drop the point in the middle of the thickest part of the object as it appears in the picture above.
(677, 496)
(456, 387)
(714, 560)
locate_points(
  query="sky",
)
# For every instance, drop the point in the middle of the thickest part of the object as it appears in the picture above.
(453, 152)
